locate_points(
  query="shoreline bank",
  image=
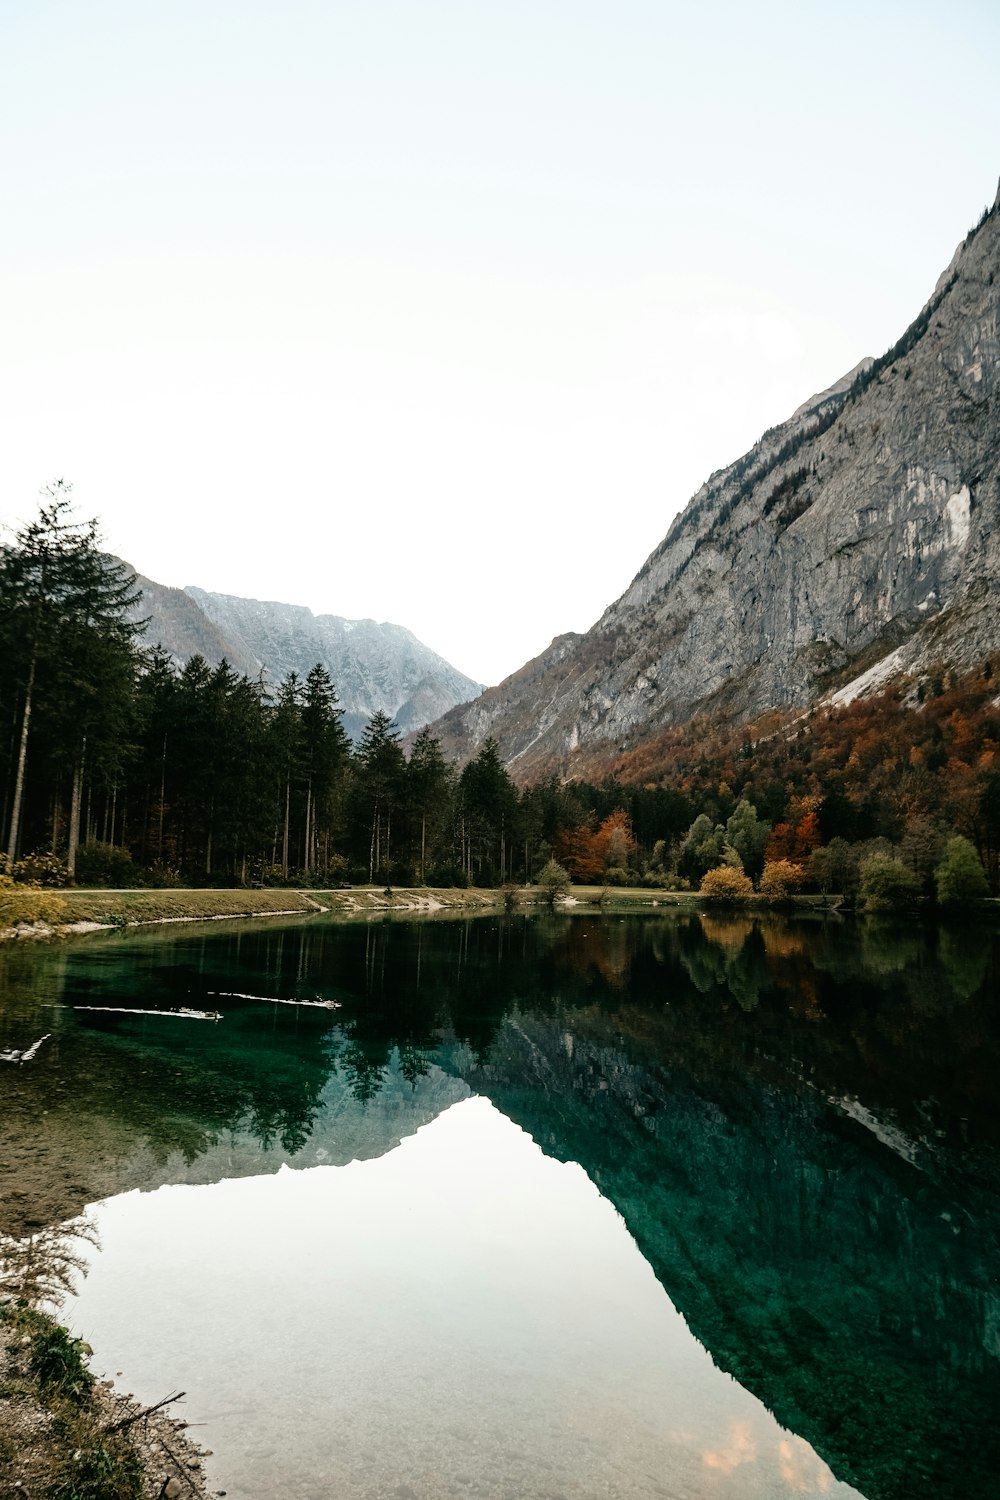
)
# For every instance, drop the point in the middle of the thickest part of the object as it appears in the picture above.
(63, 1429)
(60, 913)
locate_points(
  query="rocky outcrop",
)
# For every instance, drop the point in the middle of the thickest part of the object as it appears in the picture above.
(373, 666)
(863, 530)
(178, 623)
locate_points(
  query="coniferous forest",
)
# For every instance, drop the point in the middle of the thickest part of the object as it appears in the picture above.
(121, 768)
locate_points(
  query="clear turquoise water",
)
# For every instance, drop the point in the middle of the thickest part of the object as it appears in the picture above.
(556, 1207)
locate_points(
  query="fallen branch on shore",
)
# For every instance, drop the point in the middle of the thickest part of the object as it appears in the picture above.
(143, 1412)
(13, 1056)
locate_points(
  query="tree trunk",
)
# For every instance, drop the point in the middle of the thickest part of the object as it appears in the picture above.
(75, 799)
(163, 796)
(284, 841)
(22, 755)
(56, 819)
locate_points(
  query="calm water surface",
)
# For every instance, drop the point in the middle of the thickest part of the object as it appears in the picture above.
(578, 1207)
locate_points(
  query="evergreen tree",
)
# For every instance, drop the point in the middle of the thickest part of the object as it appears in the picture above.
(324, 755)
(489, 808)
(379, 779)
(68, 639)
(286, 745)
(158, 737)
(429, 789)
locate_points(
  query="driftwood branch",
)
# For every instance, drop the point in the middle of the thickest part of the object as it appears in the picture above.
(13, 1056)
(146, 1411)
(181, 1467)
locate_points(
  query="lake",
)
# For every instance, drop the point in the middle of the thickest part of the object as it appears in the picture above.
(557, 1206)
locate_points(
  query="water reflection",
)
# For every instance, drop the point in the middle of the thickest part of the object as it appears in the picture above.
(797, 1122)
(461, 1317)
(41, 1268)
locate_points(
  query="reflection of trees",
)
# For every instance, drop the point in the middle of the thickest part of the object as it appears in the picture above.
(964, 958)
(41, 1268)
(364, 1072)
(414, 1064)
(726, 930)
(686, 1062)
(887, 947)
(730, 960)
(407, 987)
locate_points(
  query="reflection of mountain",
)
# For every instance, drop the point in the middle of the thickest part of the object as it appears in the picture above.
(113, 1103)
(797, 1123)
(115, 1152)
(840, 1284)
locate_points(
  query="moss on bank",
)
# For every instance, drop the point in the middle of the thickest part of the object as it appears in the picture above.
(66, 1436)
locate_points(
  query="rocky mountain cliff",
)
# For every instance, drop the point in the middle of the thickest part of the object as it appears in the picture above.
(856, 540)
(374, 666)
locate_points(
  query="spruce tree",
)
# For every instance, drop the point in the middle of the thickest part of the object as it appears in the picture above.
(68, 636)
(379, 780)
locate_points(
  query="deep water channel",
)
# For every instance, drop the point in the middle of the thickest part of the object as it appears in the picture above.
(557, 1207)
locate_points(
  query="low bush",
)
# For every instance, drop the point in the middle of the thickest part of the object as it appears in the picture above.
(781, 879)
(39, 869)
(105, 864)
(72, 1451)
(726, 885)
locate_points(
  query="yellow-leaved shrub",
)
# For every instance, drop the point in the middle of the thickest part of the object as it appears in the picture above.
(727, 885)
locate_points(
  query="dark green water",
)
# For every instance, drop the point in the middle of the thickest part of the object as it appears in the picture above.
(797, 1123)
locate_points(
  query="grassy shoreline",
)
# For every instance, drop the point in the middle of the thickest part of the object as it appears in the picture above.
(64, 912)
(65, 1434)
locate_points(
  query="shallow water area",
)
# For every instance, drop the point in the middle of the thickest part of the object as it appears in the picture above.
(463, 1316)
(671, 1206)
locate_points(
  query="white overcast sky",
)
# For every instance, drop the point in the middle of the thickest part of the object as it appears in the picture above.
(437, 311)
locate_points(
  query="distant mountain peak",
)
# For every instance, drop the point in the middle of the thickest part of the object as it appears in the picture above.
(374, 666)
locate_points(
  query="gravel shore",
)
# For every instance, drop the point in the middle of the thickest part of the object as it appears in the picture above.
(111, 1448)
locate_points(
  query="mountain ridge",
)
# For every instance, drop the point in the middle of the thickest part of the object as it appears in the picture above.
(861, 529)
(374, 665)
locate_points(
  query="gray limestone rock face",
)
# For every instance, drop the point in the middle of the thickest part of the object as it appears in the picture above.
(860, 536)
(373, 666)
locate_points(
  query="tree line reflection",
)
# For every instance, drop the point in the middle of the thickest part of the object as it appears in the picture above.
(796, 1120)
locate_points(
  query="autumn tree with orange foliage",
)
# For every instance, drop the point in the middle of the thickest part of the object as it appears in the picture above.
(588, 855)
